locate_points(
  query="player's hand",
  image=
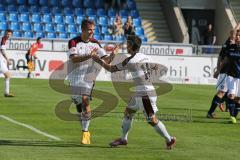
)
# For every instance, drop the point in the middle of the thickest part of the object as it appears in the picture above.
(215, 75)
(9, 62)
(94, 55)
(115, 50)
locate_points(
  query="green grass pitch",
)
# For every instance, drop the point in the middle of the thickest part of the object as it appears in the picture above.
(35, 101)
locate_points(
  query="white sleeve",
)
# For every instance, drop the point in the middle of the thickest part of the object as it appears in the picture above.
(101, 52)
(72, 51)
(3, 47)
(123, 65)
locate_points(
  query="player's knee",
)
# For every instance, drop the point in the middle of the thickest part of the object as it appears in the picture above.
(77, 100)
(231, 96)
(220, 94)
(86, 115)
(152, 120)
(7, 75)
(129, 114)
(85, 100)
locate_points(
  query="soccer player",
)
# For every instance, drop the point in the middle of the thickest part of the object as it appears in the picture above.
(30, 56)
(145, 97)
(233, 80)
(83, 75)
(221, 73)
(4, 62)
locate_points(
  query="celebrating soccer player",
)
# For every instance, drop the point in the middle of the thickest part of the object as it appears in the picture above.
(83, 75)
(145, 98)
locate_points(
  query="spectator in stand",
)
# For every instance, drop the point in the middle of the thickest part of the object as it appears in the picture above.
(209, 38)
(128, 29)
(107, 4)
(118, 27)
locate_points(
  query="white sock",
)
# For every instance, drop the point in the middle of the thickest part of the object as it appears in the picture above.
(85, 125)
(161, 129)
(7, 85)
(126, 125)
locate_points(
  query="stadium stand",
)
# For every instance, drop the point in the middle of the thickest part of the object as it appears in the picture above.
(51, 18)
(235, 5)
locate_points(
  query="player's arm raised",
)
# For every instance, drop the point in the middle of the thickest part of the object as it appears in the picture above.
(109, 59)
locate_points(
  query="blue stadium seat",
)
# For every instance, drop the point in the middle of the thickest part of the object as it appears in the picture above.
(21, 2)
(62, 35)
(69, 19)
(131, 5)
(143, 38)
(68, 11)
(111, 20)
(120, 38)
(99, 3)
(33, 2)
(66, 3)
(17, 34)
(123, 13)
(139, 31)
(137, 22)
(47, 18)
(88, 4)
(13, 17)
(124, 19)
(97, 36)
(77, 3)
(49, 27)
(39, 34)
(103, 21)
(24, 17)
(96, 30)
(2, 33)
(72, 35)
(79, 12)
(14, 26)
(112, 13)
(104, 30)
(58, 19)
(108, 37)
(43, 2)
(134, 14)
(36, 18)
(11, 8)
(2, 8)
(101, 12)
(56, 10)
(28, 34)
(90, 12)
(93, 18)
(3, 25)
(34, 9)
(23, 9)
(54, 3)
(51, 35)
(26, 26)
(11, 2)
(45, 10)
(72, 28)
(79, 19)
(79, 29)
(60, 28)
(37, 27)
(3, 17)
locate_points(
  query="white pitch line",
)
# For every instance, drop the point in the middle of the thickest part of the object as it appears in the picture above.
(31, 128)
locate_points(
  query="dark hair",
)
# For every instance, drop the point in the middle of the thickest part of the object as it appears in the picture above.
(39, 38)
(87, 22)
(135, 41)
(8, 30)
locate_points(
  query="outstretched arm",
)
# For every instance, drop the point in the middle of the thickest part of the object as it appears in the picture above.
(109, 59)
(103, 63)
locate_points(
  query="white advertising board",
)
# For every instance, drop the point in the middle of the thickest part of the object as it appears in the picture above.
(181, 69)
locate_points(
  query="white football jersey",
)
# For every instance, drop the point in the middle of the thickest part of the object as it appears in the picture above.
(3, 43)
(87, 71)
(140, 69)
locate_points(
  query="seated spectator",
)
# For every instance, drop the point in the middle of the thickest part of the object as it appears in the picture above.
(128, 29)
(129, 19)
(118, 27)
